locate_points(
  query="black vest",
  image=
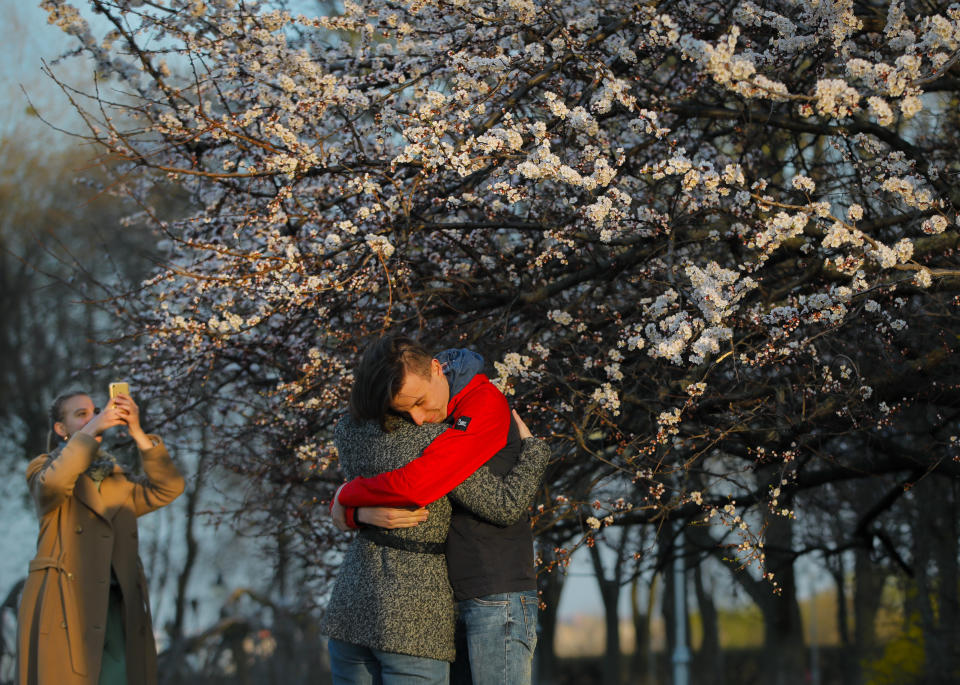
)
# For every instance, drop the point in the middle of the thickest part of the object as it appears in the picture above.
(484, 559)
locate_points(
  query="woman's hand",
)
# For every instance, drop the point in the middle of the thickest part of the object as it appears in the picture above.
(131, 414)
(338, 512)
(108, 418)
(382, 517)
(389, 517)
(521, 426)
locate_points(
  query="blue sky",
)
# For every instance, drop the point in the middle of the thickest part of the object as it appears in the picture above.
(25, 39)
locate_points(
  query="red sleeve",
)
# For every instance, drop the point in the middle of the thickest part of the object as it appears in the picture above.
(481, 421)
(349, 513)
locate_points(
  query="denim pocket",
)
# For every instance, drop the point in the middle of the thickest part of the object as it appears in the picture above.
(489, 601)
(484, 614)
(531, 607)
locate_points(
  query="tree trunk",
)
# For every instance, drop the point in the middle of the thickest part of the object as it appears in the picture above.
(947, 641)
(784, 652)
(937, 575)
(183, 579)
(784, 656)
(838, 571)
(708, 662)
(610, 594)
(642, 668)
(547, 667)
(868, 581)
(667, 607)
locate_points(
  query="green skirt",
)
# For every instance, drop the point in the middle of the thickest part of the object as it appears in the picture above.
(113, 664)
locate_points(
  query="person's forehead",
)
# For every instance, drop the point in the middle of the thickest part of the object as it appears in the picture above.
(414, 387)
(75, 404)
(409, 394)
(414, 382)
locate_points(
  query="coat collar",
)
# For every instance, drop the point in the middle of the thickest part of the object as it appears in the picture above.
(106, 500)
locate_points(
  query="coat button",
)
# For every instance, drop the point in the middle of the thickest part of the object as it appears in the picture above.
(63, 624)
(69, 576)
(79, 529)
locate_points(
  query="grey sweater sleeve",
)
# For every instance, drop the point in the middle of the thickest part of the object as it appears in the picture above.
(504, 500)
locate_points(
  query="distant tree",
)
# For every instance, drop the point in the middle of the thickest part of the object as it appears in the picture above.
(58, 246)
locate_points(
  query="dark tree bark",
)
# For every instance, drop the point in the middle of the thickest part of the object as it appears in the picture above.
(784, 652)
(610, 594)
(667, 605)
(550, 585)
(642, 666)
(784, 655)
(868, 581)
(937, 576)
(708, 661)
(838, 571)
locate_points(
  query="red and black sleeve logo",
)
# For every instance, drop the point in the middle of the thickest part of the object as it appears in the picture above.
(461, 423)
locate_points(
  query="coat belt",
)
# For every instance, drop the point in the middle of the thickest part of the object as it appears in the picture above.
(379, 537)
(71, 610)
(43, 563)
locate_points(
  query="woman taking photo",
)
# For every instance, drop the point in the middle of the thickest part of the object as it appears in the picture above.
(84, 615)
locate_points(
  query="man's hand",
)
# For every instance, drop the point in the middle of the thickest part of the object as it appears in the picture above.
(521, 426)
(388, 517)
(339, 513)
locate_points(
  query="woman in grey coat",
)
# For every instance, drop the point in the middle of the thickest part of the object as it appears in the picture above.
(391, 615)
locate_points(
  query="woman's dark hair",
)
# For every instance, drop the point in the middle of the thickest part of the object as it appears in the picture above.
(380, 373)
(56, 414)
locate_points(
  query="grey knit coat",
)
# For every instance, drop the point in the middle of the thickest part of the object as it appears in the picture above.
(400, 601)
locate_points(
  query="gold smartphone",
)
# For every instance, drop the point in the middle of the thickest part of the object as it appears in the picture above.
(119, 388)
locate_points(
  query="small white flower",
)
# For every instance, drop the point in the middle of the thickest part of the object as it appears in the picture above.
(910, 105)
(380, 245)
(934, 225)
(880, 110)
(804, 183)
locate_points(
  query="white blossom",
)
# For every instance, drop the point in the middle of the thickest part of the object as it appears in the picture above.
(910, 105)
(935, 224)
(380, 245)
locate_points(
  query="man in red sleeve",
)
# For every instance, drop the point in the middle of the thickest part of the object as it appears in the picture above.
(491, 567)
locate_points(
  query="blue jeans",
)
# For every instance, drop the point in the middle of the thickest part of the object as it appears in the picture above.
(496, 636)
(353, 664)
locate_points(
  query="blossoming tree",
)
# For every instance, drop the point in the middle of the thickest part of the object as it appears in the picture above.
(694, 239)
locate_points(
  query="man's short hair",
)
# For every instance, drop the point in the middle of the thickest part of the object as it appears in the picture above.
(379, 375)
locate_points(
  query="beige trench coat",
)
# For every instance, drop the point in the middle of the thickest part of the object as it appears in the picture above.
(83, 531)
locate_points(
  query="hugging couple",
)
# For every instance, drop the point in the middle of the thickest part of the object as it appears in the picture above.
(439, 584)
